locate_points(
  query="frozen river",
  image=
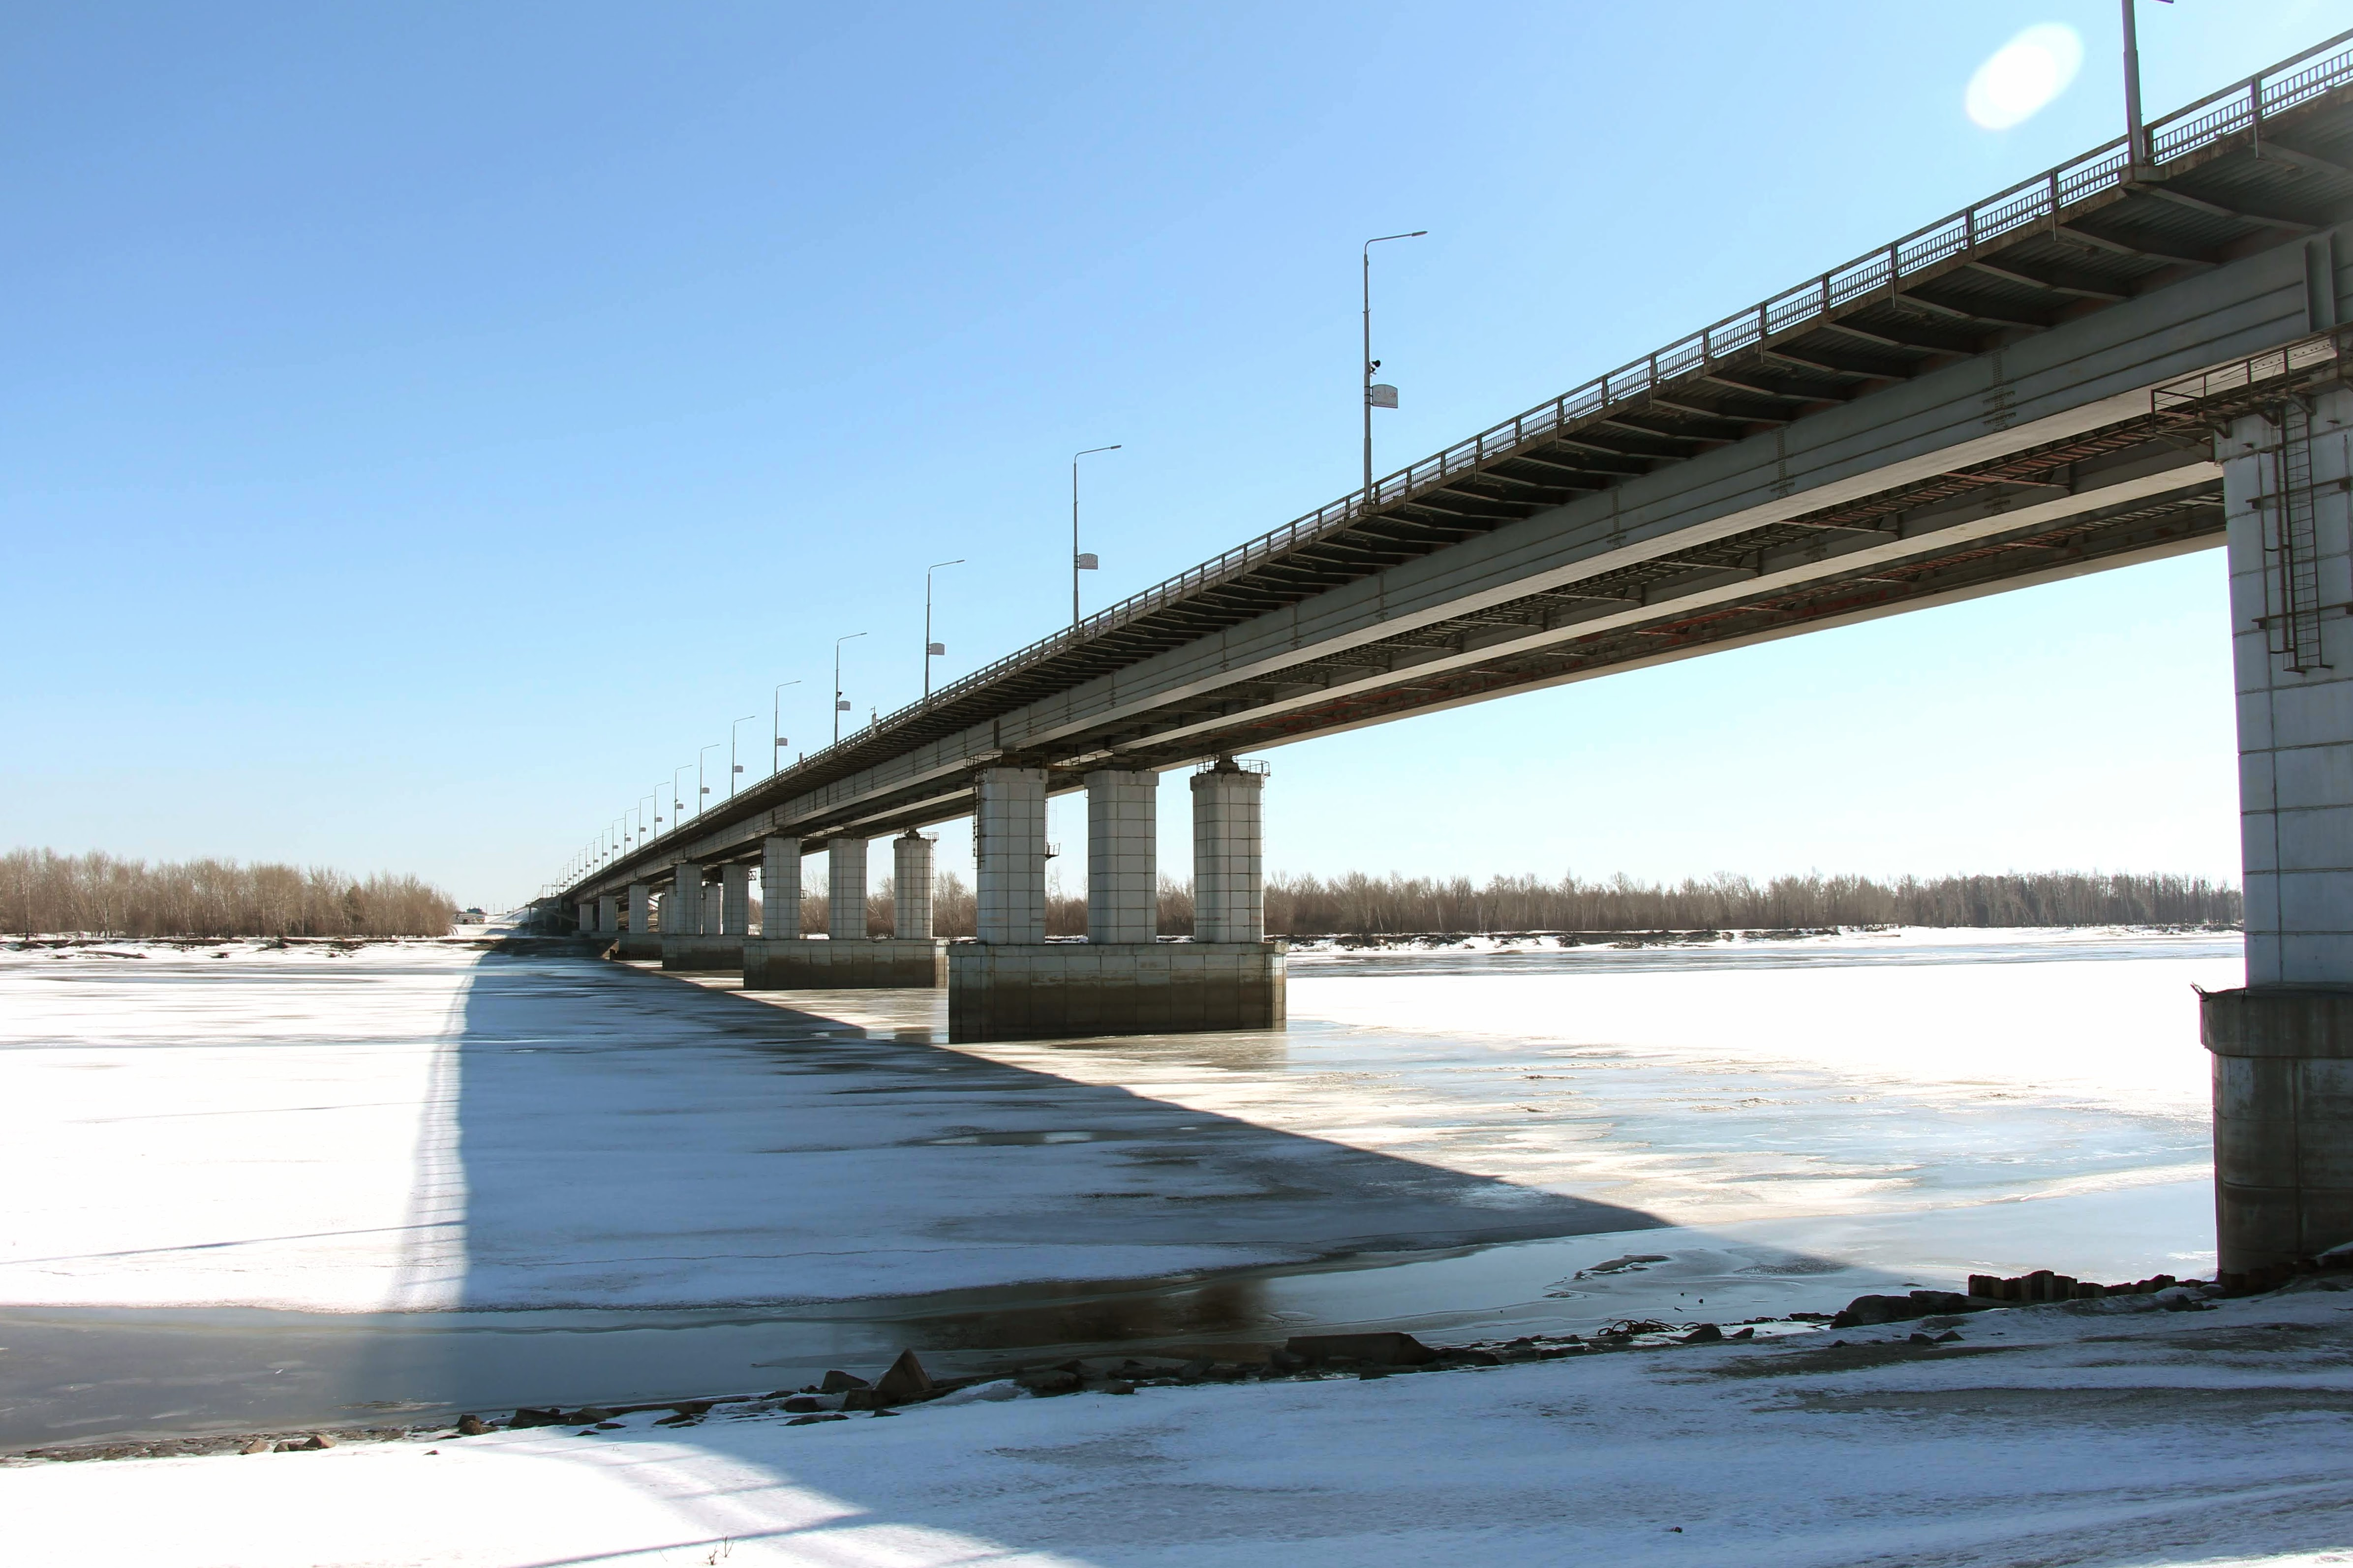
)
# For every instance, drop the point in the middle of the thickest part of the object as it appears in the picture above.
(284, 1186)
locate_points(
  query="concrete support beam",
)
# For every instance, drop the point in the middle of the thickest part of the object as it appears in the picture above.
(2284, 1047)
(609, 915)
(1228, 888)
(845, 890)
(780, 888)
(587, 916)
(683, 911)
(735, 898)
(911, 887)
(1123, 856)
(1009, 830)
(641, 907)
(713, 918)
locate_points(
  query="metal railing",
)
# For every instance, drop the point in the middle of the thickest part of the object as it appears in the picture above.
(2322, 68)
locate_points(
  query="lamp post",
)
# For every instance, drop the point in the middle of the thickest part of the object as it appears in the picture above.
(735, 767)
(2137, 151)
(839, 707)
(700, 787)
(776, 725)
(643, 836)
(933, 650)
(677, 806)
(1372, 364)
(1079, 563)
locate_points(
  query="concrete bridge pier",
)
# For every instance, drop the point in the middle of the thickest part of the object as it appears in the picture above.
(911, 888)
(587, 917)
(1014, 984)
(846, 958)
(2283, 1046)
(780, 888)
(609, 915)
(845, 890)
(702, 941)
(735, 899)
(640, 940)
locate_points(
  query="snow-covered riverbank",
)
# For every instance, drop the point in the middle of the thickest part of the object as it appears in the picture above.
(2104, 1433)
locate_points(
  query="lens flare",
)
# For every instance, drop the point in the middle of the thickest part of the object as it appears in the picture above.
(2024, 74)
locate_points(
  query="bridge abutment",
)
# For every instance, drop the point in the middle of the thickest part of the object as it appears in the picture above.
(700, 943)
(2283, 1047)
(1013, 984)
(846, 958)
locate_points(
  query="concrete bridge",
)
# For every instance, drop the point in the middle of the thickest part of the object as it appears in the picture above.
(2142, 353)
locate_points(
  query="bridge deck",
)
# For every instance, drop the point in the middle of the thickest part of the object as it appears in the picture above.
(2037, 482)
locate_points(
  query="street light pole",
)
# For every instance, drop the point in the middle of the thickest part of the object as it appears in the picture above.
(838, 703)
(702, 788)
(776, 725)
(1078, 562)
(677, 806)
(2137, 151)
(933, 650)
(735, 767)
(1372, 364)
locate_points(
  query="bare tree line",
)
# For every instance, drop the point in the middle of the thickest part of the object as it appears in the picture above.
(44, 893)
(1357, 904)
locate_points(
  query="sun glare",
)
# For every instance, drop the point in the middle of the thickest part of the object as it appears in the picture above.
(2023, 75)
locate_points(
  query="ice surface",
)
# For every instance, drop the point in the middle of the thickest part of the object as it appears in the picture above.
(416, 1126)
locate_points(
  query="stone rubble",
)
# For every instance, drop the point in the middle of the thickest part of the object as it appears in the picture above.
(1304, 1357)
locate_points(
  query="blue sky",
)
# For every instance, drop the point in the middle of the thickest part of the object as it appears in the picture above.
(423, 429)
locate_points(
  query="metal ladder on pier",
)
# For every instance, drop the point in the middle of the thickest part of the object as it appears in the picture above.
(2291, 545)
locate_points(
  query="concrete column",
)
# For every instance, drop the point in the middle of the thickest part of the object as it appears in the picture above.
(609, 915)
(1123, 856)
(2284, 1047)
(735, 898)
(911, 885)
(1009, 832)
(780, 888)
(714, 910)
(683, 911)
(845, 890)
(641, 913)
(1229, 891)
(587, 916)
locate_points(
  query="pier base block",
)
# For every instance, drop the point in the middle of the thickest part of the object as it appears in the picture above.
(2283, 1126)
(803, 964)
(1048, 990)
(637, 944)
(683, 952)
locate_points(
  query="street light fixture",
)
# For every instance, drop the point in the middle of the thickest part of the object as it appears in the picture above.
(1382, 396)
(776, 725)
(677, 806)
(1079, 563)
(932, 650)
(735, 767)
(839, 706)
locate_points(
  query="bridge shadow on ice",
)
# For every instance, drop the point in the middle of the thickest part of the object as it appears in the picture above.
(616, 1139)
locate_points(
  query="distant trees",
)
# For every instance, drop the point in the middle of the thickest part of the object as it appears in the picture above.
(43, 892)
(1356, 903)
